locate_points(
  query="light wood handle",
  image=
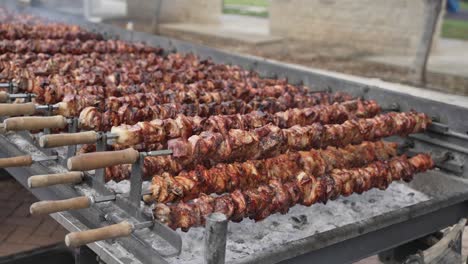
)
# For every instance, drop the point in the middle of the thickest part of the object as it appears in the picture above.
(34, 123)
(54, 179)
(76, 239)
(4, 96)
(17, 109)
(49, 207)
(96, 160)
(16, 161)
(59, 140)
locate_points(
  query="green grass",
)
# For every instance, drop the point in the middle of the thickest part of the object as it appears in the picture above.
(455, 29)
(239, 11)
(247, 2)
(464, 5)
(244, 13)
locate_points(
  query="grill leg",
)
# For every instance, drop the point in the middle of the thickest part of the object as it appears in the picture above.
(84, 255)
(215, 238)
(101, 145)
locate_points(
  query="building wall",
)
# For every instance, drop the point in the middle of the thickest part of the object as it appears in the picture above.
(374, 26)
(177, 11)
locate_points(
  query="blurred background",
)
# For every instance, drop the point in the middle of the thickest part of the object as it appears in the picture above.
(420, 42)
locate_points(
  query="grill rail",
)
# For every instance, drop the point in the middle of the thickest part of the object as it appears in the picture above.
(448, 188)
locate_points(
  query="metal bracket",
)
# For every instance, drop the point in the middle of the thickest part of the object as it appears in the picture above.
(49, 110)
(136, 178)
(143, 229)
(101, 145)
(72, 128)
(393, 107)
(136, 181)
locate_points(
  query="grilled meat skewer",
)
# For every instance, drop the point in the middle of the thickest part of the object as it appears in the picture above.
(73, 46)
(14, 31)
(93, 118)
(159, 131)
(276, 197)
(228, 177)
(209, 149)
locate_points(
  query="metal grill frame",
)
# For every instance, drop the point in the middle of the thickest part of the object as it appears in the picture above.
(449, 191)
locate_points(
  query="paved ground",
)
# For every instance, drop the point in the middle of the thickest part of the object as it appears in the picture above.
(450, 57)
(19, 231)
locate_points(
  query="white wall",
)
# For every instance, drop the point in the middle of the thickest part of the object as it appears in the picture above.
(374, 26)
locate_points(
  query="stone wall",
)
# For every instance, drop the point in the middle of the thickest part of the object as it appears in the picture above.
(370, 26)
(176, 11)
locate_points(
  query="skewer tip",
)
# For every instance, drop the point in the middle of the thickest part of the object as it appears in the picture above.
(29, 186)
(68, 241)
(69, 165)
(42, 142)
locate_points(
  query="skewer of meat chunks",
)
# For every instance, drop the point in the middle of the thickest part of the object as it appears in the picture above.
(14, 31)
(72, 105)
(10, 16)
(159, 131)
(119, 78)
(121, 110)
(306, 189)
(73, 46)
(209, 149)
(93, 118)
(97, 83)
(154, 135)
(228, 177)
(173, 68)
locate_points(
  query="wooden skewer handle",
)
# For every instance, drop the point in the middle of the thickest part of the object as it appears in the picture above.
(16, 161)
(54, 179)
(102, 159)
(59, 140)
(4, 96)
(34, 123)
(49, 207)
(76, 239)
(17, 109)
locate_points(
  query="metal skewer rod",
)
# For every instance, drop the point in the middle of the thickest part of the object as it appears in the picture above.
(6, 97)
(6, 84)
(11, 86)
